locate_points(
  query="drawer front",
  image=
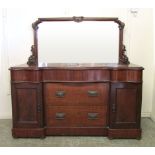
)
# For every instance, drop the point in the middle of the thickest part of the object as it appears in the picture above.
(76, 75)
(126, 76)
(76, 94)
(25, 75)
(79, 116)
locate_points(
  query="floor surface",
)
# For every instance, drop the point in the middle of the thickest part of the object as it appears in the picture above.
(148, 138)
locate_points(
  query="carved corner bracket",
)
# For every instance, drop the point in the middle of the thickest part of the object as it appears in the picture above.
(120, 24)
(32, 60)
(36, 23)
(123, 58)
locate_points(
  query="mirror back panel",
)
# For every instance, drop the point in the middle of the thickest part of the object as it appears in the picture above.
(84, 42)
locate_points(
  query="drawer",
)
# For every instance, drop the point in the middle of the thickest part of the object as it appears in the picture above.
(76, 116)
(85, 75)
(126, 75)
(76, 93)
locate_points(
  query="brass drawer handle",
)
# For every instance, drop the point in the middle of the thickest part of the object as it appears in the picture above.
(92, 116)
(92, 93)
(60, 93)
(60, 115)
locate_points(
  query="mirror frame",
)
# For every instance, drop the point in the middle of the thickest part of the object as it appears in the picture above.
(33, 59)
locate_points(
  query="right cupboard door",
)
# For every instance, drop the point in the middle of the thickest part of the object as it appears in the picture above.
(125, 105)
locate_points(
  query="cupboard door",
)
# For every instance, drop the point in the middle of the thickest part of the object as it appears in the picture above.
(125, 105)
(27, 105)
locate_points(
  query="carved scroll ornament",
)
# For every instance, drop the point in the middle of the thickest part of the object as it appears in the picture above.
(32, 59)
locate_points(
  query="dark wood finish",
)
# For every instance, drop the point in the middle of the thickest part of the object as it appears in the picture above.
(77, 99)
(84, 99)
(33, 59)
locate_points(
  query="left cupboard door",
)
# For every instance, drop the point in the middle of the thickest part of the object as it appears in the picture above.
(27, 105)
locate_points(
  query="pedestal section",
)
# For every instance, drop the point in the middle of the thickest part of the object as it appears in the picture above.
(124, 133)
(28, 133)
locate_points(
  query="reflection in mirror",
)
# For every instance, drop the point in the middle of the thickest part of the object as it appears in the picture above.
(84, 42)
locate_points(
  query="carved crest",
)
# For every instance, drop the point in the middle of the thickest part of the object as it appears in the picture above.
(78, 19)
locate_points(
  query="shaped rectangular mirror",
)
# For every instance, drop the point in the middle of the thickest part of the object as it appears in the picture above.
(85, 42)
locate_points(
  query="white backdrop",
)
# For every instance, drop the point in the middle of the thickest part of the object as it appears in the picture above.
(15, 25)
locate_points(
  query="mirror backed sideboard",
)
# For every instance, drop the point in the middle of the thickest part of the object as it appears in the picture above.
(66, 89)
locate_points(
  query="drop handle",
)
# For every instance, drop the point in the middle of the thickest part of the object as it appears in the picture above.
(113, 107)
(92, 93)
(92, 116)
(60, 93)
(60, 115)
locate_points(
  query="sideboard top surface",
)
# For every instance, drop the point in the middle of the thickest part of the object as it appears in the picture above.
(78, 66)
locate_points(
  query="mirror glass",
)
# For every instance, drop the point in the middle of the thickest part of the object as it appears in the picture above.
(84, 42)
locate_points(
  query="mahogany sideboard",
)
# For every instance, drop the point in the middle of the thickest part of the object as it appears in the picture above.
(99, 99)
(77, 99)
